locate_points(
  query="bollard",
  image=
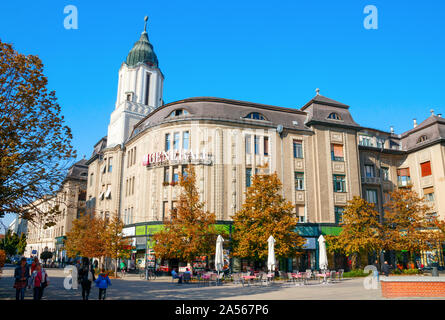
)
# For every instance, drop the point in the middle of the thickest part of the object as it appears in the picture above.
(434, 272)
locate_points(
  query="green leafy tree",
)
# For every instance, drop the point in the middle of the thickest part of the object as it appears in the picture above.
(46, 255)
(265, 213)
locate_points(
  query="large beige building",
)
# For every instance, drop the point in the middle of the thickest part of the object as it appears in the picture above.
(67, 205)
(322, 156)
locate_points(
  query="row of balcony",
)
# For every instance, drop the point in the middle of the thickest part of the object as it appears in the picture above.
(401, 181)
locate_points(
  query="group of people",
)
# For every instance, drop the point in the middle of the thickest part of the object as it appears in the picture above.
(86, 277)
(186, 276)
(36, 277)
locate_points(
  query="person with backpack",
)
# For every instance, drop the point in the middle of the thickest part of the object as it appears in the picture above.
(85, 278)
(39, 281)
(102, 282)
(21, 276)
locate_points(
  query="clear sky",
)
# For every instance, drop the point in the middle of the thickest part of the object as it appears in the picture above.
(273, 52)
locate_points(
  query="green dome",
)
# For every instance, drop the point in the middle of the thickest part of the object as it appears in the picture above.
(142, 52)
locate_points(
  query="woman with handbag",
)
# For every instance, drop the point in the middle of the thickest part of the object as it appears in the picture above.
(86, 277)
(39, 281)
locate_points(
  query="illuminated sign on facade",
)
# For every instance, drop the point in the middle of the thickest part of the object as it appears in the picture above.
(177, 156)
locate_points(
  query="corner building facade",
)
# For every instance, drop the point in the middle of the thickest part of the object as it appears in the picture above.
(322, 156)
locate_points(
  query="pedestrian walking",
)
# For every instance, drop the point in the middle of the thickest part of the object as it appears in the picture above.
(21, 276)
(34, 264)
(85, 278)
(39, 281)
(377, 271)
(386, 268)
(102, 282)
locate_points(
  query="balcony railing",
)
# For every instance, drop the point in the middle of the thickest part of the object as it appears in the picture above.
(403, 182)
(371, 180)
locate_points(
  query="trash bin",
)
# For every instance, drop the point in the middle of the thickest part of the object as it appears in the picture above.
(434, 272)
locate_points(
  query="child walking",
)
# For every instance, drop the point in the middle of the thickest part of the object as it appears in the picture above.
(102, 282)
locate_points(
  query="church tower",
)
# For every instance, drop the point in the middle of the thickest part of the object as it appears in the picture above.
(139, 90)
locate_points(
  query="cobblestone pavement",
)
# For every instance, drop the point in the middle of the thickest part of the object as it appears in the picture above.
(133, 288)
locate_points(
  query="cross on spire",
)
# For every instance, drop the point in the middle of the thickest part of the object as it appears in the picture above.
(145, 26)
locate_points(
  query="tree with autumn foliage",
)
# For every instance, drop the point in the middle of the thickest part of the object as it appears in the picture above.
(115, 242)
(35, 144)
(87, 238)
(409, 224)
(190, 231)
(361, 231)
(265, 213)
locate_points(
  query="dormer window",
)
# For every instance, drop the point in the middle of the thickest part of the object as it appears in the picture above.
(422, 139)
(334, 116)
(255, 116)
(178, 112)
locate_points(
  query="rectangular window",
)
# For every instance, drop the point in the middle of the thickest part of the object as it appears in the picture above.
(248, 176)
(425, 168)
(338, 214)
(337, 152)
(371, 196)
(299, 180)
(91, 179)
(248, 144)
(167, 142)
(298, 149)
(385, 173)
(166, 174)
(300, 212)
(185, 140)
(175, 175)
(110, 164)
(369, 171)
(380, 143)
(134, 156)
(165, 210)
(266, 146)
(339, 183)
(428, 193)
(403, 177)
(184, 171)
(147, 88)
(365, 141)
(176, 141)
(256, 144)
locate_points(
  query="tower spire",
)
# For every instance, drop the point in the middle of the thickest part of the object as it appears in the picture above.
(145, 25)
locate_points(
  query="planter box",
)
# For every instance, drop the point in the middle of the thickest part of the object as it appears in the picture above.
(412, 286)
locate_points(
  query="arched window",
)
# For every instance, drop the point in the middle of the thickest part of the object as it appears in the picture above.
(255, 116)
(334, 116)
(422, 139)
(178, 112)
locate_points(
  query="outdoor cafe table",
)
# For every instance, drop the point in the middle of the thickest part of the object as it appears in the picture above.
(324, 275)
(249, 278)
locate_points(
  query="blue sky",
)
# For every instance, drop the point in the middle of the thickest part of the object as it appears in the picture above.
(272, 52)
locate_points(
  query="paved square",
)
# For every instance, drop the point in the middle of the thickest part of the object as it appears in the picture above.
(133, 288)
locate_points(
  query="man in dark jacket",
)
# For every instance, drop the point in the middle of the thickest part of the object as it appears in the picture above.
(85, 277)
(21, 276)
(386, 268)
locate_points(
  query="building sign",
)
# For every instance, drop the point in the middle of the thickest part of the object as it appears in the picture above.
(128, 232)
(176, 156)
